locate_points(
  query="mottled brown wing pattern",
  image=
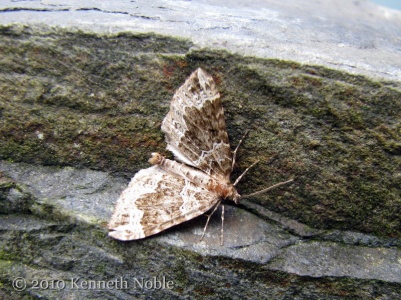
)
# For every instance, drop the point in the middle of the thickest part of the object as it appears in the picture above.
(195, 128)
(154, 201)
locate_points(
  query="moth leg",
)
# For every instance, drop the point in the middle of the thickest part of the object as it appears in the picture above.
(236, 149)
(222, 226)
(208, 219)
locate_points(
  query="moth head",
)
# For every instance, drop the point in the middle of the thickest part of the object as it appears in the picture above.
(233, 195)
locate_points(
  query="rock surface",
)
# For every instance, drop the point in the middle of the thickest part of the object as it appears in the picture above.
(357, 36)
(84, 90)
(60, 240)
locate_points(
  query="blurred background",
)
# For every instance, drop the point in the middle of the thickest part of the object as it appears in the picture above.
(394, 4)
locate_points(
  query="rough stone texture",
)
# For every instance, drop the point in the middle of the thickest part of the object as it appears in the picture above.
(84, 88)
(59, 238)
(357, 36)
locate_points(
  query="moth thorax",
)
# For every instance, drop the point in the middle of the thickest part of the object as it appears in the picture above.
(226, 191)
(156, 159)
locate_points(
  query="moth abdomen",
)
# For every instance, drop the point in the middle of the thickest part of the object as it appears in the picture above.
(155, 159)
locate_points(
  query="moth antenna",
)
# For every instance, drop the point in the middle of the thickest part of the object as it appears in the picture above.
(267, 189)
(243, 173)
(236, 149)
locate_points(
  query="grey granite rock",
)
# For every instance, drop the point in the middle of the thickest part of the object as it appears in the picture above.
(84, 87)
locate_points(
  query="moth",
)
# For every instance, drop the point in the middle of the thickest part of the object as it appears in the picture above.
(171, 192)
